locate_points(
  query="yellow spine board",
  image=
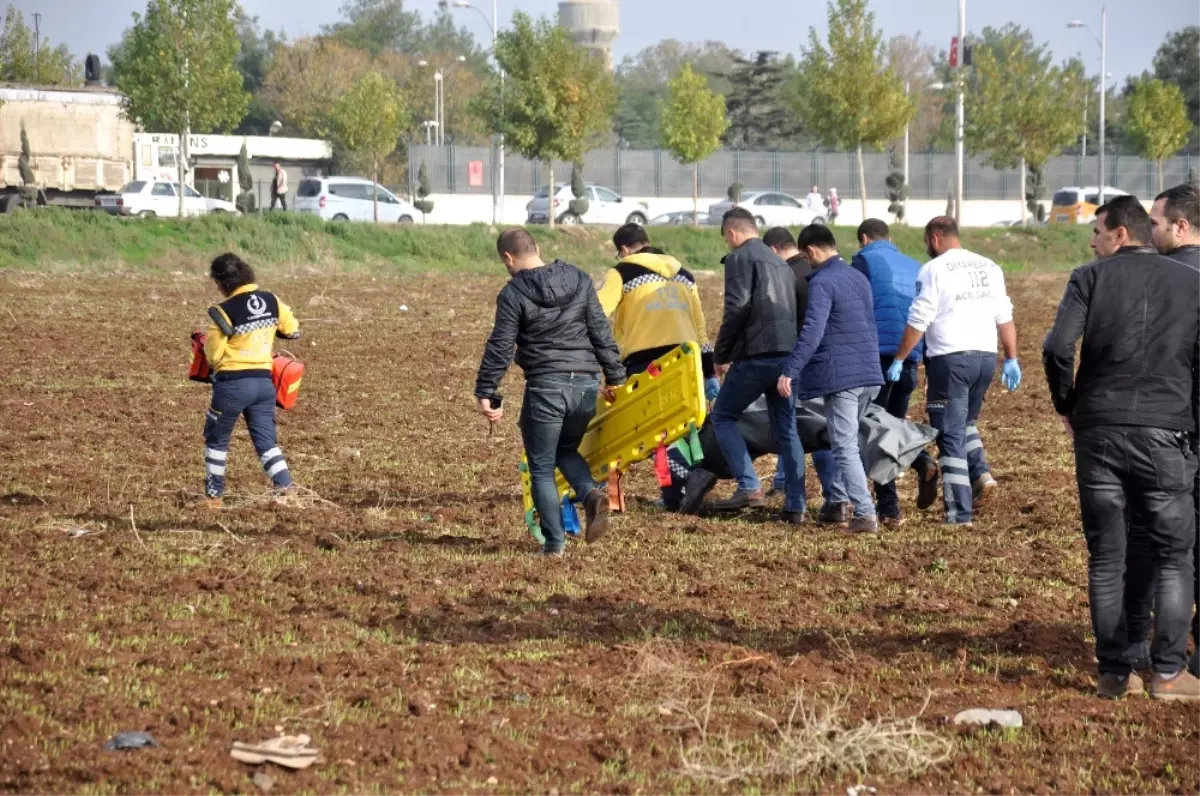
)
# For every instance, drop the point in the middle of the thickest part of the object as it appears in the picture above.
(649, 410)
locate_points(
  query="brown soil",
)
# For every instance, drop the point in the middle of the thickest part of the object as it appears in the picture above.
(404, 625)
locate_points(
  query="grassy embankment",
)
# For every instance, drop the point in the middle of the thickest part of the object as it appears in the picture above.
(57, 240)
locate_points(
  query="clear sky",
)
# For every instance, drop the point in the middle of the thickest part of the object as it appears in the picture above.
(1135, 29)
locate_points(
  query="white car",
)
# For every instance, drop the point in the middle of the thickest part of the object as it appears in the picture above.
(159, 198)
(351, 199)
(770, 209)
(605, 206)
(679, 218)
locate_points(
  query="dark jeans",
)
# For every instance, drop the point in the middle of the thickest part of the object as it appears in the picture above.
(957, 385)
(281, 198)
(1149, 473)
(554, 418)
(744, 383)
(253, 397)
(894, 398)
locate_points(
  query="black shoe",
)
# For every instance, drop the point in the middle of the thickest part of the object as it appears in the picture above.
(741, 499)
(927, 486)
(792, 517)
(834, 514)
(863, 525)
(699, 483)
(595, 511)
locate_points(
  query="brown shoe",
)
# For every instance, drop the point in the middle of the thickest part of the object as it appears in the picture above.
(595, 512)
(792, 518)
(1114, 686)
(741, 499)
(1183, 687)
(863, 525)
(834, 514)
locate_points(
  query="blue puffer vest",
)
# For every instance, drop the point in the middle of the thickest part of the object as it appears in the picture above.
(893, 278)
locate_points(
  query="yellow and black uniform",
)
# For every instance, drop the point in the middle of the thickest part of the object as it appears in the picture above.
(243, 329)
(654, 306)
(239, 348)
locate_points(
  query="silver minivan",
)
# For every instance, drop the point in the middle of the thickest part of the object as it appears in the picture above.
(350, 199)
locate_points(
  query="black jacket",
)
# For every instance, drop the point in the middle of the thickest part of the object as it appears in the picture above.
(553, 318)
(1137, 312)
(760, 304)
(801, 269)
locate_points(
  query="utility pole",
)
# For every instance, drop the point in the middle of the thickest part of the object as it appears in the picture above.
(1103, 90)
(37, 47)
(904, 201)
(960, 113)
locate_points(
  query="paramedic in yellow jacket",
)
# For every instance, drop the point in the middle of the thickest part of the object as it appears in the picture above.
(239, 347)
(653, 303)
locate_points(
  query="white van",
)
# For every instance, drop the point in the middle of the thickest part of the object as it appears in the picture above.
(350, 199)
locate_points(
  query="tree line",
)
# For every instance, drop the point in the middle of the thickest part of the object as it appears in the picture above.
(366, 82)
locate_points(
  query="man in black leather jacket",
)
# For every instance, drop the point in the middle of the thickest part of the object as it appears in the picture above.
(1130, 411)
(1175, 230)
(551, 315)
(758, 331)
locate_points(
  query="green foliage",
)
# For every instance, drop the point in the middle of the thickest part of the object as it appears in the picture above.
(24, 169)
(897, 192)
(759, 103)
(1156, 120)
(1021, 106)
(558, 97)
(254, 63)
(579, 205)
(246, 201)
(848, 93)
(177, 67)
(1035, 192)
(1178, 61)
(693, 117)
(423, 203)
(734, 192)
(367, 122)
(19, 64)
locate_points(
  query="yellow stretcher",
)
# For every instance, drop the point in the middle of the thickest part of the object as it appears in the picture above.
(652, 410)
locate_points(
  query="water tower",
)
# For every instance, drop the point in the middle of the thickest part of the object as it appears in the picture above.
(593, 24)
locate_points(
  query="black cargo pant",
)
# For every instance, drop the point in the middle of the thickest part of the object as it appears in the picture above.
(1147, 473)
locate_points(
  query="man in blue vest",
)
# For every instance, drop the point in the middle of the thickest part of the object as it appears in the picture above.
(893, 278)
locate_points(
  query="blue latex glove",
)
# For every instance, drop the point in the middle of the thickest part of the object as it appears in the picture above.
(1011, 374)
(711, 388)
(895, 370)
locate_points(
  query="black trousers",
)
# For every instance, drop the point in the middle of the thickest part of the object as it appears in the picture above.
(1129, 472)
(281, 198)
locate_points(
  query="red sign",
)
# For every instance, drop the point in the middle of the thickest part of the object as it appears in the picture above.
(475, 173)
(954, 51)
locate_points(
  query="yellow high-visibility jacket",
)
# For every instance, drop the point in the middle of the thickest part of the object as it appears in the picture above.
(243, 329)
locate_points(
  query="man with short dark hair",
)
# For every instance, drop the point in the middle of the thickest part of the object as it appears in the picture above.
(1175, 231)
(758, 330)
(960, 306)
(1131, 410)
(550, 314)
(893, 278)
(780, 240)
(835, 359)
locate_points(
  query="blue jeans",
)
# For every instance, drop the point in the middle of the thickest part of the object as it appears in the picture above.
(957, 385)
(744, 383)
(823, 463)
(894, 399)
(253, 397)
(843, 412)
(554, 417)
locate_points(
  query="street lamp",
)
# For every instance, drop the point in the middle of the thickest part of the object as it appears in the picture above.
(498, 163)
(1102, 40)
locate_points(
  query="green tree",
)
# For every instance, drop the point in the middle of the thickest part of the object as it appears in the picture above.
(557, 100)
(254, 64)
(367, 123)
(245, 199)
(18, 62)
(579, 205)
(423, 203)
(693, 121)
(847, 93)
(1178, 61)
(178, 74)
(1156, 121)
(305, 80)
(760, 92)
(375, 26)
(24, 169)
(1022, 109)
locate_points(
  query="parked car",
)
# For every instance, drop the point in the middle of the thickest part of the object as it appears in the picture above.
(678, 218)
(770, 209)
(605, 206)
(151, 198)
(350, 199)
(1074, 205)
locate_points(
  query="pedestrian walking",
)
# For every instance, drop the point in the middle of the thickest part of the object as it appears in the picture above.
(550, 314)
(1175, 231)
(815, 202)
(279, 188)
(893, 278)
(832, 205)
(758, 331)
(782, 243)
(1131, 411)
(835, 359)
(238, 346)
(960, 305)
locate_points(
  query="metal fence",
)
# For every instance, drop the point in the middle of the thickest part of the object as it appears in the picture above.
(657, 173)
